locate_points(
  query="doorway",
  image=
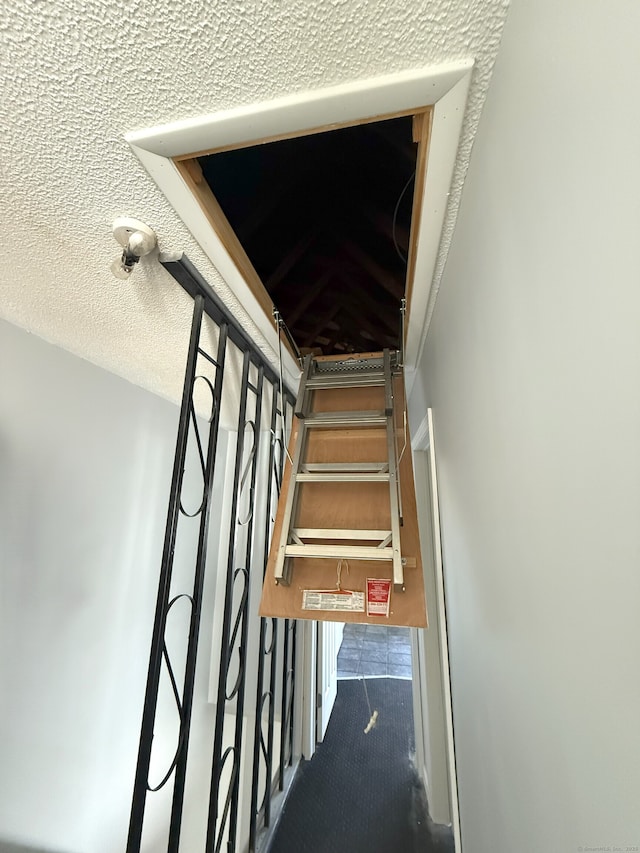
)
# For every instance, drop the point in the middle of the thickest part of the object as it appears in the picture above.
(361, 790)
(375, 651)
(365, 660)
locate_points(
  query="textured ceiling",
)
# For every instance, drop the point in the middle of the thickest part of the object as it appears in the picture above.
(79, 74)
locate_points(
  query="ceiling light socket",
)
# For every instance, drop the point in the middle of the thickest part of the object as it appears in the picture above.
(134, 236)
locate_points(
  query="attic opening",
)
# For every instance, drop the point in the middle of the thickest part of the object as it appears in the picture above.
(323, 226)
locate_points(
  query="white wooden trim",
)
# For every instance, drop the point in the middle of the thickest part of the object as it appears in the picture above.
(328, 640)
(302, 111)
(419, 686)
(308, 688)
(444, 642)
(278, 800)
(443, 86)
(299, 706)
(446, 128)
(420, 439)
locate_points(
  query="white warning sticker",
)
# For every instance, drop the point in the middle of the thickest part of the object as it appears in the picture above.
(318, 599)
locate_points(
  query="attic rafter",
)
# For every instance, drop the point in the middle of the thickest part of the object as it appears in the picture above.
(360, 319)
(328, 315)
(353, 319)
(390, 320)
(289, 261)
(383, 277)
(383, 223)
(353, 337)
(357, 339)
(308, 295)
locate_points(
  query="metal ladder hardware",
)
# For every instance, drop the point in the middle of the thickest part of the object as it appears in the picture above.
(298, 542)
(344, 420)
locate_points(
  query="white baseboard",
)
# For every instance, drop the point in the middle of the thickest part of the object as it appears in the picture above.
(278, 799)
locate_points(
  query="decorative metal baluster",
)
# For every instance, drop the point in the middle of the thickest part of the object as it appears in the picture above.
(293, 631)
(262, 696)
(277, 468)
(158, 647)
(215, 827)
(233, 825)
(198, 583)
(288, 690)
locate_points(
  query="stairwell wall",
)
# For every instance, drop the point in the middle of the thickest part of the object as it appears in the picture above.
(86, 461)
(532, 367)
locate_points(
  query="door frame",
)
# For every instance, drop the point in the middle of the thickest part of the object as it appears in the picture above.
(330, 635)
(306, 677)
(436, 694)
(423, 448)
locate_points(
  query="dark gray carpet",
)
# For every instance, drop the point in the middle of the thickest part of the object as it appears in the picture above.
(360, 792)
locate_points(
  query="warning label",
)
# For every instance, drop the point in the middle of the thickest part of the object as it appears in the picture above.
(317, 599)
(378, 596)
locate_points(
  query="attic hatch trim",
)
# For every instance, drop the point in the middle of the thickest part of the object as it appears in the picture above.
(191, 172)
(444, 87)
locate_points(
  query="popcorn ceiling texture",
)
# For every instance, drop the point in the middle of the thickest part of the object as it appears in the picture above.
(79, 74)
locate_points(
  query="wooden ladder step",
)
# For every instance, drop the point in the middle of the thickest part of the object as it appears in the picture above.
(328, 420)
(341, 477)
(341, 533)
(334, 467)
(345, 380)
(339, 552)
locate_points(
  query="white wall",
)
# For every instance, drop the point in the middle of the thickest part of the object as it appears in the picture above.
(532, 366)
(428, 681)
(85, 467)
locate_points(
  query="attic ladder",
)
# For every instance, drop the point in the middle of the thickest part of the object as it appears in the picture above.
(306, 542)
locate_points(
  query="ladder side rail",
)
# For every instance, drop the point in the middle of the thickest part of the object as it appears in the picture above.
(303, 391)
(398, 572)
(281, 572)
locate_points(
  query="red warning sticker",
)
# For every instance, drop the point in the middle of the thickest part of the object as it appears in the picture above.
(378, 596)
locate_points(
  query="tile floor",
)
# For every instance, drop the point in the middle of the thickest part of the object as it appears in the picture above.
(375, 650)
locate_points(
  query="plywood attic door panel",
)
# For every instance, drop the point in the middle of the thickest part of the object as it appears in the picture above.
(345, 505)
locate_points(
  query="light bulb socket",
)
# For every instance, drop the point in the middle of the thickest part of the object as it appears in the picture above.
(123, 266)
(137, 240)
(129, 259)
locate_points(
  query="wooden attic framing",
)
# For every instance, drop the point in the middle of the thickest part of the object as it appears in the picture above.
(317, 224)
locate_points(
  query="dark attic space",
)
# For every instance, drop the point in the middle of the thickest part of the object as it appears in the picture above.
(325, 220)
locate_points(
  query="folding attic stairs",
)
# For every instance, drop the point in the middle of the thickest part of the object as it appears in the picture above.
(347, 509)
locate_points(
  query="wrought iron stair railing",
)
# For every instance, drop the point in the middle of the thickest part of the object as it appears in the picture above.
(261, 399)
